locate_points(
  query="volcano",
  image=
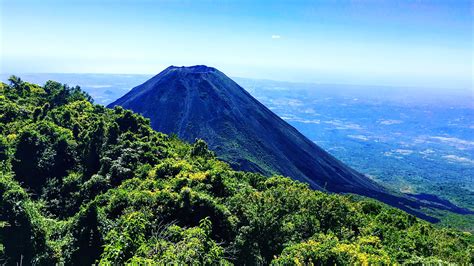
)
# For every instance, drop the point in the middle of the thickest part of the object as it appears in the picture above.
(202, 102)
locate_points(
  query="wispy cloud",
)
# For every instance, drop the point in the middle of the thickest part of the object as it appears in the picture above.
(389, 122)
(290, 117)
(276, 36)
(455, 158)
(359, 137)
(458, 143)
(403, 151)
(343, 125)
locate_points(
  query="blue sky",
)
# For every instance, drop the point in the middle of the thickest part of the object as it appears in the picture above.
(410, 43)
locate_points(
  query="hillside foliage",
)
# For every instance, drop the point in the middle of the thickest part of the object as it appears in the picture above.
(83, 184)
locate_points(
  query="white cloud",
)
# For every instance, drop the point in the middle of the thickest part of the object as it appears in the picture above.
(310, 111)
(455, 142)
(397, 153)
(301, 120)
(294, 102)
(455, 158)
(310, 121)
(276, 37)
(359, 137)
(403, 151)
(389, 122)
(427, 151)
(343, 125)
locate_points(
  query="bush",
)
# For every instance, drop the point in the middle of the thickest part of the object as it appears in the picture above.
(82, 184)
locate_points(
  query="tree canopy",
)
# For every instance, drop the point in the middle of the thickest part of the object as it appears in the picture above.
(83, 184)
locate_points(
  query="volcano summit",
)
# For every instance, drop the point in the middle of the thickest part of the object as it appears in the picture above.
(202, 102)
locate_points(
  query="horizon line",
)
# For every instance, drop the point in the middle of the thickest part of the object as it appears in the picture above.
(259, 79)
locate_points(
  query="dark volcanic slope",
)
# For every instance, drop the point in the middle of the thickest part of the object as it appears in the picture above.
(202, 102)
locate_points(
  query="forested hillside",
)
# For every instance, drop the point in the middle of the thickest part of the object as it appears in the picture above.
(80, 184)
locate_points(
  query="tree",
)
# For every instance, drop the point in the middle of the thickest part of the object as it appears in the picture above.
(16, 82)
(200, 149)
(82, 184)
(43, 151)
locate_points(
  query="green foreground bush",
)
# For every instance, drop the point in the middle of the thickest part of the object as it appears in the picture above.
(82, 184)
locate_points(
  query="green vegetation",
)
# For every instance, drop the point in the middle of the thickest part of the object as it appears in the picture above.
(81, 183)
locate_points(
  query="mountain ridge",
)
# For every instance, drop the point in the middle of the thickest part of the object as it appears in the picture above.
(229, 105)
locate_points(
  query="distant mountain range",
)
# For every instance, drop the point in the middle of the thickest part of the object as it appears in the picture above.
(202, 102)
